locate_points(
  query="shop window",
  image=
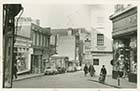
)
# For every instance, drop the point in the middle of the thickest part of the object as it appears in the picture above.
(95, 61)
(34, 38)
(100, 39)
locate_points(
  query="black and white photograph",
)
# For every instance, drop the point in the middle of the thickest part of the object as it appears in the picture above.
(69, 46)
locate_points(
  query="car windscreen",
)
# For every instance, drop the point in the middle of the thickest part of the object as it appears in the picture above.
(48, 67)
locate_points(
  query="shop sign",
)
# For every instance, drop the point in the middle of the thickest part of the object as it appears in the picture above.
(125, 23)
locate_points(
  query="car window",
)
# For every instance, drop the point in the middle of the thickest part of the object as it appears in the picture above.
(48, 67)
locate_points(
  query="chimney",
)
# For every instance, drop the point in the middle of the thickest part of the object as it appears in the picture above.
(37, 21)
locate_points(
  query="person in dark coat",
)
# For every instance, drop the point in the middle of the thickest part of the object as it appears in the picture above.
(86, 69)
(103, 72)
(91, 70)
(15, 70)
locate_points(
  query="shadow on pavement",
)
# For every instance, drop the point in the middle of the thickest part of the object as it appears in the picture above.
(103, 83)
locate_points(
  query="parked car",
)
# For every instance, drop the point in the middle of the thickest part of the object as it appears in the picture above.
(70, 69)
(50, 71)
(61, 70)
(78, 68)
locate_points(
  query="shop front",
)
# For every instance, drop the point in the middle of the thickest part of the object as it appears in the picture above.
(22, 55)
(125, 44)
(36, 61)
(23, 61)
(126, 48)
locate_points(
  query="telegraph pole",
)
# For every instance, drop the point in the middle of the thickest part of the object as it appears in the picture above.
(9, 13)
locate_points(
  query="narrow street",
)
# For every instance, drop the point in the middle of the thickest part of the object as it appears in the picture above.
(53, 39)
(70, 80)
(67, 80)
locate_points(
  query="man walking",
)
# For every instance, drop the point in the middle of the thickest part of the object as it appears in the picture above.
(91, 70)
(85, 69)
(103, 73)
(15, 71)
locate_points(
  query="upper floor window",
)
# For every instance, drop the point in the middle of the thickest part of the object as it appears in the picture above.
(100, 39)
(95, 61)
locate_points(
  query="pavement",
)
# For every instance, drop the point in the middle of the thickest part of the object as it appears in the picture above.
(27, 76)
(69, 80)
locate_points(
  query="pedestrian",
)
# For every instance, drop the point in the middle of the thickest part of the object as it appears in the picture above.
(86, 69)
(103, 73)
(15, 70)
(120, 68)
(91, 70)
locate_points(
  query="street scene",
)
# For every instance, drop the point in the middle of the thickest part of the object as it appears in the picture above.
(70, 46)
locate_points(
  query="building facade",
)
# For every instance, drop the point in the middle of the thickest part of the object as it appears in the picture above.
(101, 51)
(23, 42)
(40, 44)
(31, 46)
(125, 40)
(69, 43)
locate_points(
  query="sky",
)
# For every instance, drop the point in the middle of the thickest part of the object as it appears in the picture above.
(70, 15)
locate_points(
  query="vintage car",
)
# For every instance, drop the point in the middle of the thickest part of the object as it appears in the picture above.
(70, 69)
(78, 68)
(61, 70)
(50, 71)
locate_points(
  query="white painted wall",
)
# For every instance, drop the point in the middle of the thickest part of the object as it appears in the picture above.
(107, 42)
(66, 46)
(104, 60)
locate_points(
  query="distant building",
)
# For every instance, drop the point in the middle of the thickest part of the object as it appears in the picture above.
(31, 41)
(125, 39)
(41, 42)
(69, 43)
(98, 51)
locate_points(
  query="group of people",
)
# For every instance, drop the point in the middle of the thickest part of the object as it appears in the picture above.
(92, 71)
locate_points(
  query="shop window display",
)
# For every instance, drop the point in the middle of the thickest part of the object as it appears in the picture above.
(22, 62)
(133, 55)
(125, 56)
(122, 61)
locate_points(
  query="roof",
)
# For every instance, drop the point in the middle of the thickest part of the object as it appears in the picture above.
(65, 31)
(59, 31)
(40, 29)
(122, 12)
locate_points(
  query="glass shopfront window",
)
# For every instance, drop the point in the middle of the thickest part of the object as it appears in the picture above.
(121, 56)
(133, 55)
(127, 49)
(22, 59)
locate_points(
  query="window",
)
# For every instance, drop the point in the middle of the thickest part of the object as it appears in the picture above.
(46, 45)
(40, 39)
(34, 35)
(44, 41)
(100, 39)
(37, 36)
(95, 61)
